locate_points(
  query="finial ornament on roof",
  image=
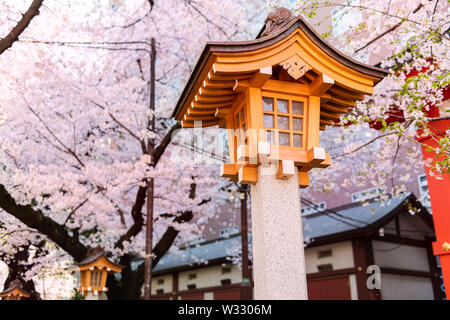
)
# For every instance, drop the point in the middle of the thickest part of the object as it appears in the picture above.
(15, 283)
(95, 251)
(276, 20)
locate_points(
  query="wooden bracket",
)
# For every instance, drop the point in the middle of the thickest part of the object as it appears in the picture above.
(247, 154)
(263, 150)
(222, 123)
(323, 164)
(326, 163)
(316, 155)
(222, 112)
(241, 85)
(242, 153)
(261, 77)
(286, 169)
(303, 179)
(321, 84)
(230, 171)
(248, 175)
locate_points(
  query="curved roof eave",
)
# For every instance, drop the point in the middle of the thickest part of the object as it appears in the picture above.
(15, 285)
(242, 46)
(90, 259)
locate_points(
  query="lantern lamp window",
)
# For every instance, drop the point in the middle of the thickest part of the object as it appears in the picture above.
(94, 276)
(268, 104)
(286, 117)
(240, 124)
(282, 106)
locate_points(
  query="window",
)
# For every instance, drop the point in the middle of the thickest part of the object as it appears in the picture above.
(283, 121)
(324, 254)
(225, 281)
(192, 276)
(343, 18)
(226, 269)
(229, 231)
(424, 192)
(198, 239)
(96, 278)
(366, 194)
(240, 123)
(191, 286)
(325, 267)
(317, 207)
(160, 281)
(159, 291)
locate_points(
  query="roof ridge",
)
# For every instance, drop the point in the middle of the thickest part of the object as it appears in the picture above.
(350, 205)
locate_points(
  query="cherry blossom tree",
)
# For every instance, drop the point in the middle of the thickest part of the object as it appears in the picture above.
(411, 39)
(75, 112)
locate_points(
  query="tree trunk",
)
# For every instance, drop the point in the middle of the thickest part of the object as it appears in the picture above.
(130, 283)
(17, 270)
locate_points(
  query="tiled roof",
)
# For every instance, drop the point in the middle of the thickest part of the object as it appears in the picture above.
(13, 285)
(92, 255)
(199, 254)
(346, 219)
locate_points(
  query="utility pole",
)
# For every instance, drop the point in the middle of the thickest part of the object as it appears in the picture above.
(246, 274)
(150, 183)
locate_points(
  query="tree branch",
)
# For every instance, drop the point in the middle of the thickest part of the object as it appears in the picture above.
(35, 219)
(159, 151)
(395, 26)
(168, 237)
(364, 145)
(75, 210)
(136, 213)
(14, 34)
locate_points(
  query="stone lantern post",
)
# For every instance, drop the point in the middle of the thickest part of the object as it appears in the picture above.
(274, 95)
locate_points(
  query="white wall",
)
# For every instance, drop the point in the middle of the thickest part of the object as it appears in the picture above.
(208, 277)
(342, 256)
(166, 286)
(413, 223)
(395, 287)
(393, 255)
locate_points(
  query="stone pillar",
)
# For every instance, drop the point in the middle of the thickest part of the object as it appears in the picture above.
(277, 235)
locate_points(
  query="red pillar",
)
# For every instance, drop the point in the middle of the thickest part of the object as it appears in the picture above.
(440, 202)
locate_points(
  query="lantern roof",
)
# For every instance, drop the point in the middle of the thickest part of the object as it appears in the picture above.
(15, 288)
(290, 51)
(96, 258)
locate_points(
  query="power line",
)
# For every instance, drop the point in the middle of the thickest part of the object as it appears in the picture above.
(337, 219)
(330, 211)
(334, 212)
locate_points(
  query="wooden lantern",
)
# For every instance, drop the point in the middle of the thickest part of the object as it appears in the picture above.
(94, 271)
(274, 95)
(14, 292)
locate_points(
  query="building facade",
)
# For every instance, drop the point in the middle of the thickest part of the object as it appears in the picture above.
(353, 243)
